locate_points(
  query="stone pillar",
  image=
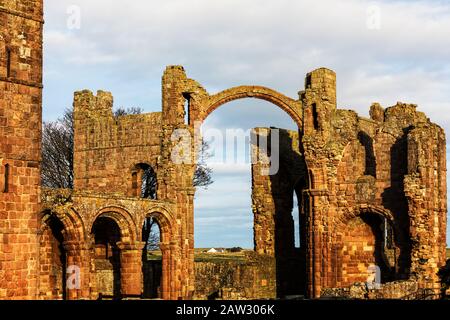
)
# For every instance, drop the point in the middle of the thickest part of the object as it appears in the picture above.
(78, 284)
(131, 267)
(189, 247)
(426, 191)
(166, 272)
(263, 202)
(176, 274)
(317, 252)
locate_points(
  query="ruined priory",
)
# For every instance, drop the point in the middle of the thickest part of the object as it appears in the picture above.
(372, 191)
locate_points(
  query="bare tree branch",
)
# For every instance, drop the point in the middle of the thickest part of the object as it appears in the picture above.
(203, 173)
(151, 234)
(57, 152)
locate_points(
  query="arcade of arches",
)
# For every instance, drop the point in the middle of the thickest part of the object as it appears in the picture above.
(371, 191)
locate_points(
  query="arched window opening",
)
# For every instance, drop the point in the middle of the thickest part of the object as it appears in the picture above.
(370, 162)
(106, 234)
(143, 182)
(151, 259)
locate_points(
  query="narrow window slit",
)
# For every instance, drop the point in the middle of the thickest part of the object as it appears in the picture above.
(187, 108)
(315, 117)
(8, 62)
(7, 173)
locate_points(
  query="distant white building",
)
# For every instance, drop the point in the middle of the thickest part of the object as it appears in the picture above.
(214, 250)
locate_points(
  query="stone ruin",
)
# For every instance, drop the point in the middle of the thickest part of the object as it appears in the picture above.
(371, 192)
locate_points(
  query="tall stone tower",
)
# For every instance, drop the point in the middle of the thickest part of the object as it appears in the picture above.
(21, 24)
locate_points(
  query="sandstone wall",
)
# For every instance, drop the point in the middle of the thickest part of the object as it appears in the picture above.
(108, 148)
(20, 136)
(366, 167)
(252, 278)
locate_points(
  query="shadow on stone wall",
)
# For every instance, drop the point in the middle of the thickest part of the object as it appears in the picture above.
(444, 276)
(370, 162)
(376, 224)
(395, 200)
(290, 181)
(152, 273)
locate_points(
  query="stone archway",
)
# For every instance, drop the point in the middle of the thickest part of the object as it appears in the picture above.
(63, 262)
(74, 229)
(52, 258)
(126, 251)
(106, 235)
(123, 219)
(366, 234)
(289, 105)
(271, 237)
(158, 283)
(364, 209)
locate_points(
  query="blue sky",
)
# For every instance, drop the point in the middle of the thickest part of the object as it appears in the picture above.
(124, 47)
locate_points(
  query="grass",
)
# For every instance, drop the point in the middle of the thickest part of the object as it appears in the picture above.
(201, 256)
(219, 257)
(154, 256)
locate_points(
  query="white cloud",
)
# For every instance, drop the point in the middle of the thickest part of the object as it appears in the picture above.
(226, 221)
(236, 169)
(264, 42)
(426, 88)
(63, 43)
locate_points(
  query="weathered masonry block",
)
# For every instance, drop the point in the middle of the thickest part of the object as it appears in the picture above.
(371, 192)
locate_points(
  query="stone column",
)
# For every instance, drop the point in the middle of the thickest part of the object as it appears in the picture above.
(426, 191)
(166, 272)
(189, 247)
(131, 267)
(77, 270)
(176, 275)
(317, 248)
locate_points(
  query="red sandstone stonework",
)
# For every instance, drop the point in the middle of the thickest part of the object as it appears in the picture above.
(371, 191)
(20, 136)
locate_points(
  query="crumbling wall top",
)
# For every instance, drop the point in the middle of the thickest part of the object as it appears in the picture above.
(32, 9)
(86, 101)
